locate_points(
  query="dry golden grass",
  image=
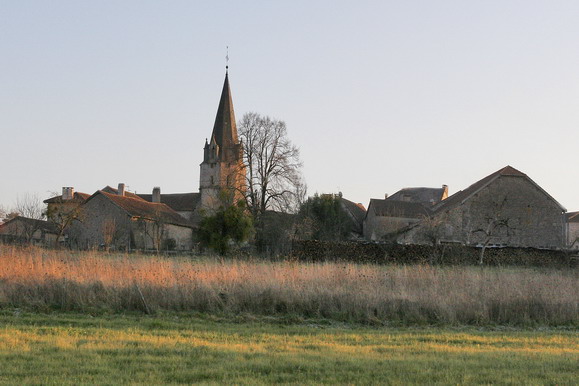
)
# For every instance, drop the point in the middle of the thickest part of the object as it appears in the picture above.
(45, 280)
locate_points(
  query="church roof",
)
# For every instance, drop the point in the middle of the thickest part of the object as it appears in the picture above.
(225, 129)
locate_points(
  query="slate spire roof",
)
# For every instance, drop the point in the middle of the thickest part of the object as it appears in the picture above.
(225, 129)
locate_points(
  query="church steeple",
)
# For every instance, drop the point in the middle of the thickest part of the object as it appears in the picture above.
(225, 129)
(222, 168)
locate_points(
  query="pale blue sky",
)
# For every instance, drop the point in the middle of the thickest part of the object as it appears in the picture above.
(378, 95)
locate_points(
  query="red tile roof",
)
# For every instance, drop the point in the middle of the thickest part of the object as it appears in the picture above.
(137, 207)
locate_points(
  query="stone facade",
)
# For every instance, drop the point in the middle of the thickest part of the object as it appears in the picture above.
(126, 223)
(506, 208)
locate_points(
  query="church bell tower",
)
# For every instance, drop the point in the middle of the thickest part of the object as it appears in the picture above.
(222, 176)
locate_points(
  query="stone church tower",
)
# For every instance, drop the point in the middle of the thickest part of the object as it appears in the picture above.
(222, 172)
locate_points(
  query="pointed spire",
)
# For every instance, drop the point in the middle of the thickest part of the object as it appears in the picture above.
(225, 129)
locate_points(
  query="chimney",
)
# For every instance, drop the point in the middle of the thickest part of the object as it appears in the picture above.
(121, 190)
(340, 194)
(67, 193)
(156, 194)
(385, 195)
(444, 192)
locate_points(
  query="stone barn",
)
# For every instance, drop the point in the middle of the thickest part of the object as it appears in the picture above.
(506, 208)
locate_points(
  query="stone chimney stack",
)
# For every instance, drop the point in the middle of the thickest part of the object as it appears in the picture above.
(156, 194)
(444, 192)
(67, 193)
(385, 195)
(121, 190)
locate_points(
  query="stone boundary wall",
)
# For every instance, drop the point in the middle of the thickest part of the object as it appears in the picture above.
(377, 253)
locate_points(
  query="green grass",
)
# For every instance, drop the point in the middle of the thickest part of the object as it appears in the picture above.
(77, 349)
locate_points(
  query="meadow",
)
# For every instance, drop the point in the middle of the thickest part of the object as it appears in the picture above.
(95, 283)
(66, 348)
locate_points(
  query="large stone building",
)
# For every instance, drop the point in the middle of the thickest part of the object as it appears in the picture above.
(506, 208)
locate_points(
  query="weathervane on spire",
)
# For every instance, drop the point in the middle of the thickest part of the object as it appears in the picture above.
(227, 59)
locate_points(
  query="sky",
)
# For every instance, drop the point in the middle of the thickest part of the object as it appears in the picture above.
(378, 95)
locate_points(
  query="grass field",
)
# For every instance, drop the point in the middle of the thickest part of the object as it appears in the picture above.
(76, 349)
(96, 283)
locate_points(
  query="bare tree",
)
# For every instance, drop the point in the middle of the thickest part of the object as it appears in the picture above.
(273, 166)
(496, 226)
(63, 216)
(432, 229)
(3, 214)
(154, 228)
(30, 206)
(110, 232)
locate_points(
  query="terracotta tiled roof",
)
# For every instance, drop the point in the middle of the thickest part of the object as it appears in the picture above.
(459, 197)
(388, 208)
(137, 207)
(77, 197)
(181, 202)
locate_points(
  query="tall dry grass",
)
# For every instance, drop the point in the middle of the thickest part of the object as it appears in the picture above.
(92, 282)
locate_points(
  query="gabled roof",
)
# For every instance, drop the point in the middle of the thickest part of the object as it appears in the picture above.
(357, 211)
(572, 217)
(428, 196)
(461, 196)
(43, 225)
(77, 197)
(225, 129)
(391, 208)
(181, 202)
(137, 207)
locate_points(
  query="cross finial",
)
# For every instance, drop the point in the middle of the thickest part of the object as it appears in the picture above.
(227, 59)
